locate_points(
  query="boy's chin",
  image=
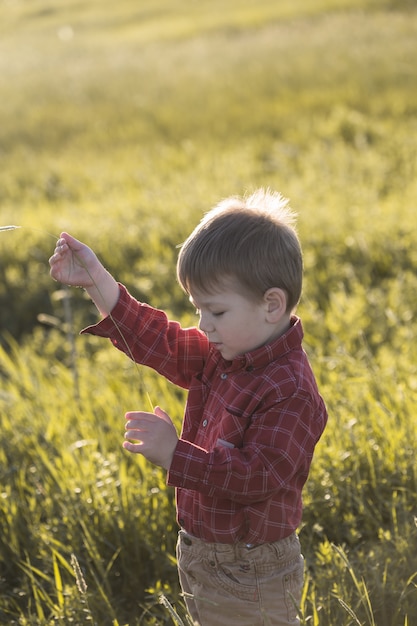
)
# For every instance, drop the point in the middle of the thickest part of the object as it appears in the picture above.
(220, 348)
(226, 354)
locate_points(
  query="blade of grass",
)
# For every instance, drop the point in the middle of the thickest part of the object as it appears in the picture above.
(349, 611)
(360, 586)
(58, 581)
(165, 602)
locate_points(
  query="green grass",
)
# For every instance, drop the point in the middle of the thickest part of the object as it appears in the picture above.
(124, 123)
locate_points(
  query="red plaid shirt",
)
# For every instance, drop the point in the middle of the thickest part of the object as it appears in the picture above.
(249, 429)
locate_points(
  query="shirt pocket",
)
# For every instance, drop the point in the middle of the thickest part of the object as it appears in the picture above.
(230, 429)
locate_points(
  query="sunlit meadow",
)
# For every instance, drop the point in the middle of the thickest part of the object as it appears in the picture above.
(122, 123)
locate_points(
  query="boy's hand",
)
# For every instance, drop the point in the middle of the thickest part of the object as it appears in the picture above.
(151, 434)
(73, 263)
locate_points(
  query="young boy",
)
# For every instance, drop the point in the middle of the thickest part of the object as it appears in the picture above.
(253, 413)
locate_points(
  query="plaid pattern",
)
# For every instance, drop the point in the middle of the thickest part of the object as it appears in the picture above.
(249, 429)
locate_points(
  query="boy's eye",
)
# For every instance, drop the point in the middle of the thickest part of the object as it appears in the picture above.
(218, 313)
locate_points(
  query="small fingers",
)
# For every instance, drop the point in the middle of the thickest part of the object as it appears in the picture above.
(60, 249)
(134, 435)
(134, 429)
(132, 447)
(61, 246)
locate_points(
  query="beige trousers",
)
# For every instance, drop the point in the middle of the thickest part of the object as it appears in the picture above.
(237, 585)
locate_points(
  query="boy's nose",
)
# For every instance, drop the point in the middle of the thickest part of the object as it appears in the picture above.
(204, 325)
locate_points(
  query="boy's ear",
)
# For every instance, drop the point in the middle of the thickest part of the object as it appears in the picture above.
(275, 300)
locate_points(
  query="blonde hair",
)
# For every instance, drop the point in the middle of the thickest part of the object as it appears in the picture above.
(252, 240)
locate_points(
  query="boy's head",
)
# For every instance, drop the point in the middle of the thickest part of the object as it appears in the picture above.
(251, 241)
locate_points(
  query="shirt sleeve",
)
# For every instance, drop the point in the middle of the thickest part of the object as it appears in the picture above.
(276, 454)
(147, 336)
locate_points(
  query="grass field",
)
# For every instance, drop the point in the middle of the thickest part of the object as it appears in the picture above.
(122, 123)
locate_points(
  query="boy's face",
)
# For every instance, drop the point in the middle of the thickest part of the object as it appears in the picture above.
(233, 323)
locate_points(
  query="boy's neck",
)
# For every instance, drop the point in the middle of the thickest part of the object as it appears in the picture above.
(281, 328)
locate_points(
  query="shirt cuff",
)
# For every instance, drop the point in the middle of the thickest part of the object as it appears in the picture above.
(188, 466)
(104, 327)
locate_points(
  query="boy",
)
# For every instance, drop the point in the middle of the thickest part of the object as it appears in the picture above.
(253, 413)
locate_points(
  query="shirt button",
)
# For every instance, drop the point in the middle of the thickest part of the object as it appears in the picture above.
(205, 423)
(223, 376)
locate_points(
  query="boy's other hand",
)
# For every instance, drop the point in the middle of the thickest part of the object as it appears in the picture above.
(151, 434)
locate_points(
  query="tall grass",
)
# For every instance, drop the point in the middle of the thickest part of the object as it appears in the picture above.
(123, 124)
